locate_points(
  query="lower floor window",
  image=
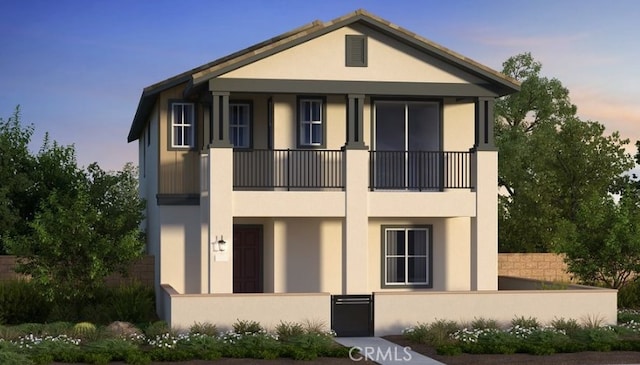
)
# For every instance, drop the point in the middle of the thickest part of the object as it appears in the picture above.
(407, 256)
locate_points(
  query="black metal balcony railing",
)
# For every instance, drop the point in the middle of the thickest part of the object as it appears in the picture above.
(288, 169)
(419, 170)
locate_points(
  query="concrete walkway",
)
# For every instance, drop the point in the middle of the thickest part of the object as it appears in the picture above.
(383, 352)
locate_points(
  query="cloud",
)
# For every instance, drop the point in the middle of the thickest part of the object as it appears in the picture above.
(616, 114)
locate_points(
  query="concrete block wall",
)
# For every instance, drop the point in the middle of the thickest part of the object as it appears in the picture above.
(141, 271)
(538, 266)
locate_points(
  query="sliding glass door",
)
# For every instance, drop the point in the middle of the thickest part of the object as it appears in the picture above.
(407, 145)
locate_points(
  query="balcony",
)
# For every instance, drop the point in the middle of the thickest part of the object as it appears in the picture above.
(419, 170)
(288, 169)
(324, 170)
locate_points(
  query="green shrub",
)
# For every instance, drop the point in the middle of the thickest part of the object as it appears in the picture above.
(629, 295)
(256, 345)
(289, 330)
(483, 323)
(449, 350)
(523, 322)
(117, 349)
(243, 326)
(133, 303)
(139, 358)
(97, 358)
(21, 301)
(201, 346)
(208, 329)
(569, 326)
(84, 329)
(628, 315)
(170, 354)
(597, 339)
(317, 327)
(436, 334)
(14, 358)
(58, 328)
(157, 328)
(592, 321)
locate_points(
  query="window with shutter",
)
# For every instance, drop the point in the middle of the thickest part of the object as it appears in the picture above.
(356, 51)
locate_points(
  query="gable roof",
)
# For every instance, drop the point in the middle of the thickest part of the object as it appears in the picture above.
(200, 75)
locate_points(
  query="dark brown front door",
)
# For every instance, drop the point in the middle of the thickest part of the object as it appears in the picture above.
(247, 259)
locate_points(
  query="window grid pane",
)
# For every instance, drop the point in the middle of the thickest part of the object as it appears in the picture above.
(406, 256)
(182, 120)
(311, 129)
(240, 125)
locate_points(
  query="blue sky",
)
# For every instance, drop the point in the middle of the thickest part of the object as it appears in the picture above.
(77, 68)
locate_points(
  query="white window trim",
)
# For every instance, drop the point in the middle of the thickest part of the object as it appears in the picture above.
(187, 127)
(429, 259)
(311, 123)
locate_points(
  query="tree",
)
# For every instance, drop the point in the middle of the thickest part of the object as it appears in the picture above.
(16, 169)
(550, 162)
(604, 247)
(81, 225)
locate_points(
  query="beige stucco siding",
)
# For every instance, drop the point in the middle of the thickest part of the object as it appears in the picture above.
(179, 169)
(458, 127)
(286, 121)
(180, 260)
(307, 255)
(323, 58)
(450, 243)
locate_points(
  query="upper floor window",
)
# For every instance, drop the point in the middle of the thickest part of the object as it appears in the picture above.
(240, 124)
(407, 256)
(311, 122)
(182, 125)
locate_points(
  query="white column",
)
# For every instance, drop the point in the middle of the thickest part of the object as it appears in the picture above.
(355, 244)
(484, 226)
(221, 219)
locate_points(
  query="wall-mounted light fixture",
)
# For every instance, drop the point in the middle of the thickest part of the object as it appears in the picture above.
(222, 244)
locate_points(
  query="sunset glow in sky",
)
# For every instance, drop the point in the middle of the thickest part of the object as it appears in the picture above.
(77, 68)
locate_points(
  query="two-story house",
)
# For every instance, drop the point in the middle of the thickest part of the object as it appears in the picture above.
(343, 165)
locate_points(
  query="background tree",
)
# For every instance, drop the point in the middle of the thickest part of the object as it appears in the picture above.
(551, 163)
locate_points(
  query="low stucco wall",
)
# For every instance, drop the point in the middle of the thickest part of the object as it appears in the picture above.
(183, 310)
(396, 311)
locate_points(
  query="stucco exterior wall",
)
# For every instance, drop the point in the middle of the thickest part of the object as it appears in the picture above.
(323, 58)
(458, 127)
(503, 306)
(225, 309)
(179, 168)
(450, 242)
(180, 247)
(307, 255)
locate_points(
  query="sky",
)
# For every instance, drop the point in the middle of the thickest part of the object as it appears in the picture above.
(77, 67)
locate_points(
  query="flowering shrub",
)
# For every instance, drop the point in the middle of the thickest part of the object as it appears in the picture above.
(526, 335)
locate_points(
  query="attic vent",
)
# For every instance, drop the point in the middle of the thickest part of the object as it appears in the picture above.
(356, 51)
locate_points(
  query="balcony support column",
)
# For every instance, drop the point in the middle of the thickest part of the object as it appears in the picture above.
(220, 120)
(220, 220)
(484, 226)
(484, 119)
(355, 241)
(355, 116)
